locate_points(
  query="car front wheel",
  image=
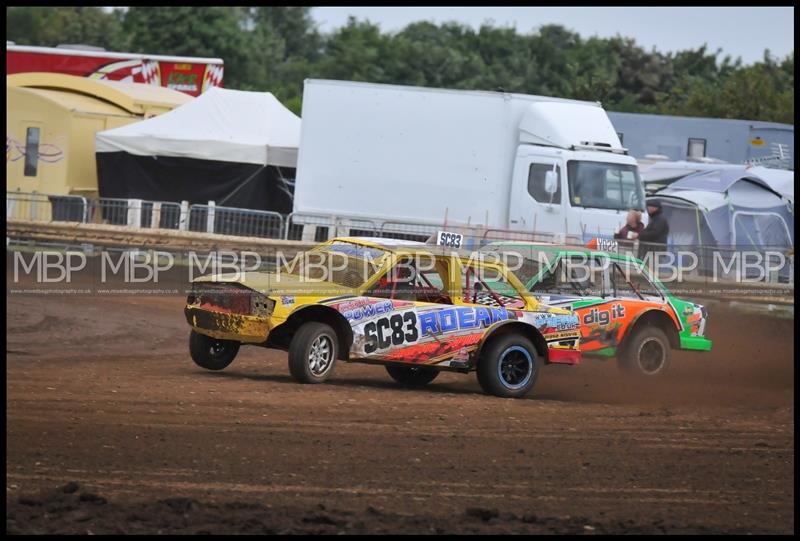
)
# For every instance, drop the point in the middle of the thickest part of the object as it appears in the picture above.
(312, 353)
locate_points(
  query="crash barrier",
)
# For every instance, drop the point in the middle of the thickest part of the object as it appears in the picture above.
(766, 264)
(308, 227)
(321, 227)
(236, 222)
(95, 239)
(36, 233)
(210, 218)
(46, 208)
(491, 235)
(138, 213)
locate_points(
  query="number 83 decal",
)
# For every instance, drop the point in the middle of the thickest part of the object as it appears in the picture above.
(395, 330)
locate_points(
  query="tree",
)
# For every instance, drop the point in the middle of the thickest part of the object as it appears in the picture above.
(50, 26)
(275, 48)
(196, 31)
(295, 26)
(356, 51)
(441, 56)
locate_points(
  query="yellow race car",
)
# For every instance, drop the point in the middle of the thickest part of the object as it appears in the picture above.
(415, 308)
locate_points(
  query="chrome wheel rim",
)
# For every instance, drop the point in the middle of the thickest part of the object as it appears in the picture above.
(515, 368)
(651, 356)
(320, 357)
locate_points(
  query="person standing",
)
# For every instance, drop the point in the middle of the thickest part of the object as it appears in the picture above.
(654, 236)
(633, 225)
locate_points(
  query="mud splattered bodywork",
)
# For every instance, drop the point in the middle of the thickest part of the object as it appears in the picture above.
(229, 311)
(444, 324)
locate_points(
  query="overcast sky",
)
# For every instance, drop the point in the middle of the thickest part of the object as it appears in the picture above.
(738, 31)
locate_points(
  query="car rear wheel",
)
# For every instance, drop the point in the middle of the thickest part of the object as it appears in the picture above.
(312, 353)
(508, 367)
(412, 376)
(211, 353)
(647, 353)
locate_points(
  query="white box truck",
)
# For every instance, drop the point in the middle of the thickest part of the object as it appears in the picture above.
(506, 161)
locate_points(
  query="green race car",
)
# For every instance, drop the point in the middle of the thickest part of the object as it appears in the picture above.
(624, 310)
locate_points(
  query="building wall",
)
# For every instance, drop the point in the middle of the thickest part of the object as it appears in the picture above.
(67, 123)
(26, 110)
(733, 141)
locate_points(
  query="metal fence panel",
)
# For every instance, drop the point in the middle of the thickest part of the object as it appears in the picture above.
(236, 222)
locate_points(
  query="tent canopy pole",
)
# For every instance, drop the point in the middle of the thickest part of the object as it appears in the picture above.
(240, 186)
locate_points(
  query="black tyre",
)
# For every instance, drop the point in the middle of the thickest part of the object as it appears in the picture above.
(312, 353)
(412, 376)
(211, 353)
(509, 366)
(647, 353)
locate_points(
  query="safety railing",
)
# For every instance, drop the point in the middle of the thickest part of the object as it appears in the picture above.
(491, 235)
(321, 227)
(136, 213)
(235, 221)
(701, 261)
(43, 207)
(764, 264)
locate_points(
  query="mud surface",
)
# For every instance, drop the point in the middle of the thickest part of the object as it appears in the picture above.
(112, 428)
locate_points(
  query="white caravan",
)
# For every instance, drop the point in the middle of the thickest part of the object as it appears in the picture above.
(506, 161)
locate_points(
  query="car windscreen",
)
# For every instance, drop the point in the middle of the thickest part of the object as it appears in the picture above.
(524, 261)
(344, 263)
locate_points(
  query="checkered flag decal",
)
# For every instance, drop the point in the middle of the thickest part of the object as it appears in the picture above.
(151, 72)
(213, 76)
(487, 299)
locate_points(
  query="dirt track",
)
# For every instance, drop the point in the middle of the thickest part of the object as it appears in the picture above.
(102, 392)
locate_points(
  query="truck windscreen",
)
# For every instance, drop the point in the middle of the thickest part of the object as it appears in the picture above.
(605, 185)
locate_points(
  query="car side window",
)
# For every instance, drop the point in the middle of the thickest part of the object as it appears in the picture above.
(414, 280)
(573, 276)
(488, 286)
(630, 281)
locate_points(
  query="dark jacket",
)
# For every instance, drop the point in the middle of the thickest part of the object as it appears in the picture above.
(623, 233)
(657, 229)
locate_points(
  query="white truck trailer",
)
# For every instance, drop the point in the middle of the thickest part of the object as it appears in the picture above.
(506, 161)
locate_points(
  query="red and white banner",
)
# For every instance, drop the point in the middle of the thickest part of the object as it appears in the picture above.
(185, 74)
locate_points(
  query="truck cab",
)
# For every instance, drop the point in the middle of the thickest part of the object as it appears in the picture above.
(571, 173)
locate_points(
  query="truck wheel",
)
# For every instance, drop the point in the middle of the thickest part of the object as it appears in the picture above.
(412, 376)
(312, 353)
(508, 367)
(647, 353)
(211, 353)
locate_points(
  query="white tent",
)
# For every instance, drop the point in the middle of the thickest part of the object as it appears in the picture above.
(220, 124)
(238, 149)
